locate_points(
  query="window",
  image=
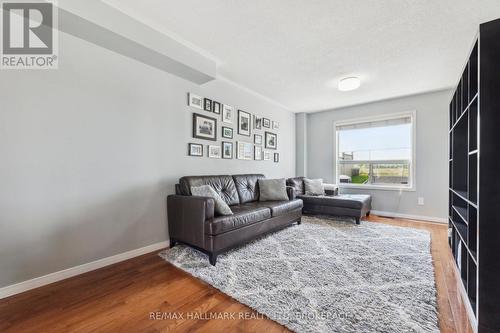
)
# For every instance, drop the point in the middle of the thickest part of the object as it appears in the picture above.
(376, 152)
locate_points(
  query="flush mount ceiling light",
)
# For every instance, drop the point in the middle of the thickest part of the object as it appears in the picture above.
(349, 83)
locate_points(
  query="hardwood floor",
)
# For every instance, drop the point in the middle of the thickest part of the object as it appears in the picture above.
(122, 297)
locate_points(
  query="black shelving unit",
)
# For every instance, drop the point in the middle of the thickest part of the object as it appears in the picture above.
(474, 179)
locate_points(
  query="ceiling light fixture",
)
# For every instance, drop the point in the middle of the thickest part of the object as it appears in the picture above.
(349, 83)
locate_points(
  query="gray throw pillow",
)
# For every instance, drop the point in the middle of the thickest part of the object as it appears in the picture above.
(220, 206)
(314, 186)
(272, 189)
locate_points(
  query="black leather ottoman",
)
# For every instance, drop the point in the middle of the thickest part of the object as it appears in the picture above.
(350, 205)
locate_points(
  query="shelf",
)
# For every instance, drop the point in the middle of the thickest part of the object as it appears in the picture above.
(462, 212)
(463, 196)
(472, 152)
(464, 113)
(462, 239)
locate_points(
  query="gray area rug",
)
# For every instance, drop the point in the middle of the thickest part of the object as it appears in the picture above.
(328, 275)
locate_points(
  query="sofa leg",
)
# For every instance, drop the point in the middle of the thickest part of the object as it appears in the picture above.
(173, 242)
(212, 258)
(357, 220)
(299, 221)
(368, 213)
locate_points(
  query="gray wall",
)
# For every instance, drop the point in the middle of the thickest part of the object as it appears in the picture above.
(90, 151)
(431, 145)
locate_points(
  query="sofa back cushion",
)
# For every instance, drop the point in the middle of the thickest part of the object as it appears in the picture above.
(248, 187)
(223, 185)
(297, 183)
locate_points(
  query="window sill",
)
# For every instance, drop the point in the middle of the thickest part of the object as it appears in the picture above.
(377, 187)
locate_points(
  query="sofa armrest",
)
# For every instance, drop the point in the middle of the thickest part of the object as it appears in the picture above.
(331, 189)
(187, 216)
(291, 192)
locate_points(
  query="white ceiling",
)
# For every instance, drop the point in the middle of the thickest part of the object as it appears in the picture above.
(294, 51)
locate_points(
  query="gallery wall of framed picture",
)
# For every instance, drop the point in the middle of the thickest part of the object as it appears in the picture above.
(255, 135)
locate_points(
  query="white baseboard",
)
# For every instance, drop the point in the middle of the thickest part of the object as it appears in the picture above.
(77, 270)
(411, 217)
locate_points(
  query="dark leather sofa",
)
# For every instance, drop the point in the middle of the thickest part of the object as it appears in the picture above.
(350, 205)
(192, 221)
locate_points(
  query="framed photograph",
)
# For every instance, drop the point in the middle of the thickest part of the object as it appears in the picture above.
(195, 101)
(257, 139)
(244, 123)
(227, 114)
(267, 156)
(207, 104)
(227, 132)
(195, 149)
(244, 151)
(257, 122)
(227, 149)
(204, 127)
(270, 140)
(257, 153)
(276, 125)
(216, 107)
(265, 122)
(214, 151)
(276, 157)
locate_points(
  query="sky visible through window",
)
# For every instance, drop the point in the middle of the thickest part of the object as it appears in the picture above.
(377, 143)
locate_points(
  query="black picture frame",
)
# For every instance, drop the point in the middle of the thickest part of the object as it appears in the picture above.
(191, 145)
(224, 129)
(266, 122)
(257, 122)
(244, 123)
(216, 107)
(276, 157)
(224, 145)
(199, 135)
(268, 138)
(207, 104)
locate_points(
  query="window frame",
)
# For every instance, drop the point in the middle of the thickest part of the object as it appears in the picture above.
(413, 161)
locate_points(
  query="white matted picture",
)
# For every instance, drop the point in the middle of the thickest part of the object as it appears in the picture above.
(257, 122)
(257, 139)
(214, 151)
(257, 153)
(244, 151)
(204, 127)
(267, 156)
(276, 157)
(227, 132)
(227, 114)
(270, 140)
(244, 123)
(227, 149)
(266, 123)
(276, 125)
(195, 149)
(195, 101)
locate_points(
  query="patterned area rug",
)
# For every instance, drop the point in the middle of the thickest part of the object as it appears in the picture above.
(328, 275)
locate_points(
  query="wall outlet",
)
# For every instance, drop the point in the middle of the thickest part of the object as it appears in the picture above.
(420, 201)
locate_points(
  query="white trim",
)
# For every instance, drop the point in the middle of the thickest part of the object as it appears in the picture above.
(77, 270)
(435, 219)
(413, 162)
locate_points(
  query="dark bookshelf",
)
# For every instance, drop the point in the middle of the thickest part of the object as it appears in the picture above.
(474, 183)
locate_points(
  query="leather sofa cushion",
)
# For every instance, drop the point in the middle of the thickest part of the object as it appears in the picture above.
(354, 201)
(297, 183)
(223, 185)
(283, 207)
(242, 215)
(247, 187)
(277, 207)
